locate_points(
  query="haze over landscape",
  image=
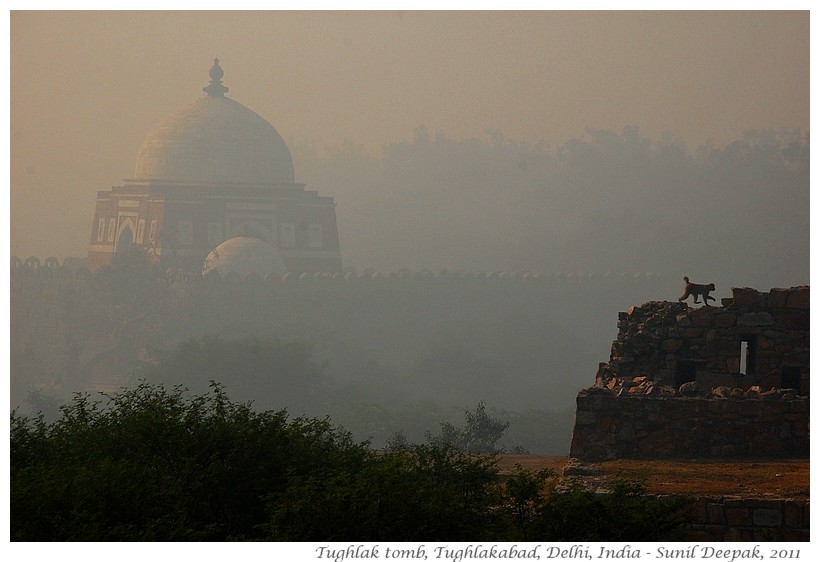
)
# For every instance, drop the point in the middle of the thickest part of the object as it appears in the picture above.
(610, 145)
(418, 288)
(459, 140)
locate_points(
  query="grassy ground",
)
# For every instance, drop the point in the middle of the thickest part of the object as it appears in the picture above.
(759, 478)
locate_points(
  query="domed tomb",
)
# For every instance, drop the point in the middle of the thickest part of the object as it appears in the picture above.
(209, 172)
(243, 255)
(215, 140)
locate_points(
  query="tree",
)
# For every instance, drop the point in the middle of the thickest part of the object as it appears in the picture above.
(274, 373)
(480, 435)
(124, 311)
(526, 497)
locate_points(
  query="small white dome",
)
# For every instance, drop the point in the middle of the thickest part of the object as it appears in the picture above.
(243, 255)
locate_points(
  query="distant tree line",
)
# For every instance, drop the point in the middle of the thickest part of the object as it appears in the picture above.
(370, 361)
(496, 203)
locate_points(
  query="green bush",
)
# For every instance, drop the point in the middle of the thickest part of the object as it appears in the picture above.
(626, 514)
(160, 465)
(152, 464)
(422, 493)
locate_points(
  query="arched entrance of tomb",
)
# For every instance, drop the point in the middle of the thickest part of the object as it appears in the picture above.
(124, 241)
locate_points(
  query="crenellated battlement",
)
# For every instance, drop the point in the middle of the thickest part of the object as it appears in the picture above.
(75, 268)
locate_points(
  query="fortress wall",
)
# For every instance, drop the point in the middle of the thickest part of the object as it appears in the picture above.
(609, 426)
(531, 325)
(41, 294)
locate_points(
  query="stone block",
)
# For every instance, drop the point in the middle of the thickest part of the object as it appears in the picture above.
(671, 345)
(793, 320)
(626, 433)
(665, 376)
(715, 513)
(798, 298)
(767, 517)
(755, 319)
(732, 534)
(702, 320)
(793, 513)
(683, 320)
(722, 392)
(726, 320)
(698, 509)
(745, 296)
(778, 297)
(693, 388)
(654, 391)
(738, 516)
(667, 391)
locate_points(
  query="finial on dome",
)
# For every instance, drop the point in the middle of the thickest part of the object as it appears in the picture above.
(215, 88)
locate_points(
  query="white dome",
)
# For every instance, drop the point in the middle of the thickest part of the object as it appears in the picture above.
(215, 140)
(243, 255)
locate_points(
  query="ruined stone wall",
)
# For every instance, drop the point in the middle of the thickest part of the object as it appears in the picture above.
(663, 345)
(749, 519)
(775, 424)
(732, 518)
(702, 382)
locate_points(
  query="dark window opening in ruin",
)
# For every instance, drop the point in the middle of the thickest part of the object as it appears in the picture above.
(686, 372)
(790, 378)
(748, 355)
(744, 350)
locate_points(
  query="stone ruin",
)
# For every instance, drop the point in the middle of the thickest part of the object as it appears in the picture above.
(702, 382)
(754, 342)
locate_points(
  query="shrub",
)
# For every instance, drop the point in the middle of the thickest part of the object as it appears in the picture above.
(159, 465)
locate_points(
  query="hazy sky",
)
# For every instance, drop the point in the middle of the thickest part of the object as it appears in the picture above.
(86, 87)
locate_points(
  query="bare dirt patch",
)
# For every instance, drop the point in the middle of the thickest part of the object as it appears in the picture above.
(759, 478)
